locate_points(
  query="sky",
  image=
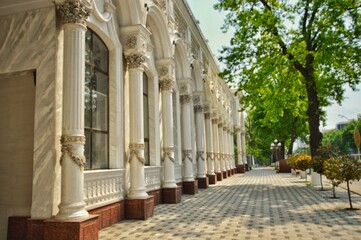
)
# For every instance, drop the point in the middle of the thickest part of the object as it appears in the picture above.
(211, 22)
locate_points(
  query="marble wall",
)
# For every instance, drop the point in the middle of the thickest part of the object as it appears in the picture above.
(31, 41)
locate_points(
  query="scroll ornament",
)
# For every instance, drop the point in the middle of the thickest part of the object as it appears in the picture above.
(67, 148)
(135, 151)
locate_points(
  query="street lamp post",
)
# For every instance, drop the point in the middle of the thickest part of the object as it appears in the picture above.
(275, 146)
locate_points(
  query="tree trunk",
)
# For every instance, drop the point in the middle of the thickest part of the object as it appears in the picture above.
(349, 194)
(313, 110)
(334, 190)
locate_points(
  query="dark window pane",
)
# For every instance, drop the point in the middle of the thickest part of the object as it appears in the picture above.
(102, 83)
(146, 153)
(99, 150)
(87, 149)
(100, 54)
(100, 111)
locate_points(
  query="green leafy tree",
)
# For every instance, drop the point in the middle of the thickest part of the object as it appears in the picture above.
(303, 49)
(333, 172)
(318, 161)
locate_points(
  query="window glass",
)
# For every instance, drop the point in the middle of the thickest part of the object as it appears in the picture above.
(96, 102)
(146, 119)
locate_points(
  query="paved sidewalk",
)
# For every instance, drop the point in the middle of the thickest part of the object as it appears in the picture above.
(257, 205)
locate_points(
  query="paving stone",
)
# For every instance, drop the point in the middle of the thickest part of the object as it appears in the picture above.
(260, 204)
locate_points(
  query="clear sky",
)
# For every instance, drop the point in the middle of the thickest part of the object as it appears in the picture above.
(211, 22)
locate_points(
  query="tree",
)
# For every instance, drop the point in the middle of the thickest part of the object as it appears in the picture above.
(343, 169)
(303, 162)
(333, 172)
(318, 161)
(314, 44)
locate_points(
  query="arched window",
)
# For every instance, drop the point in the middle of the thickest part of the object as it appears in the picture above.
(96, 109)
(146, 119)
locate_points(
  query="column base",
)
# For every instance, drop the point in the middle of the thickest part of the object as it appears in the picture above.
(190, 187)
(225, 174)
(172, 195)
(109, 214)
(229, 173)
(203, 182)
(246, 167)
(240, 168)
(157, 194)
(212, 178)
(219, 176)
(140, 209)
(86, 228)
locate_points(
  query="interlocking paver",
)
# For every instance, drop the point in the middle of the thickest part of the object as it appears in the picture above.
(257, 205)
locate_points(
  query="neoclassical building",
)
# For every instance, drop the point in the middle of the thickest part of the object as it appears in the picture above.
(108, 108)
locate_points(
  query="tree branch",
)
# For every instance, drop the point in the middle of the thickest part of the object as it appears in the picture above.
(305, 16)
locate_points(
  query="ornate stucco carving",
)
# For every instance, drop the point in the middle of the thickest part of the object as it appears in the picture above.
(215, 121)
(198, 108)
(166, 84)
(220, 124)
(209, 155)
(187, 154)
(200, 155)
(67, 147)
(186, 98)
(168, 151)
(207, 116)
(135, 60)
(75, 11)
(135, 150)
(131, 41)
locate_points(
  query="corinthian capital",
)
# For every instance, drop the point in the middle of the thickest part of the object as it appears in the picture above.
(74, 11)
(186, 98)
(135, 60)
(166, 84)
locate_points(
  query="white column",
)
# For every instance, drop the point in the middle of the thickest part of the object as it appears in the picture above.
(166, 86)
(72, 160)
(226, 148)
(137, 188)
(221, 145)
(198, 110)
(209, 145)
(186, 100)
(217, 166)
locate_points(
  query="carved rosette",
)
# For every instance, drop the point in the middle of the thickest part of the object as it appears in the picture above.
(187, 154)
(67, 145)
(76, 11)
(135, 150)
(135, 60)
(198, 108)
(168, 151)
(200, 155)
(186, 98)
(166, 84)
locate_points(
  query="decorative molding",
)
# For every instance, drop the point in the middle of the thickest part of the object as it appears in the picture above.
(187, 154)
(168, 151)
(135, 60)
(206, 108)
(166, 84)
(214, 120)
(208, 116)
(135, 150)
(198, 108)
(74, 11)
(186, 98)
(131, 41)
(67, 145)
(200, 154)
(220, 124)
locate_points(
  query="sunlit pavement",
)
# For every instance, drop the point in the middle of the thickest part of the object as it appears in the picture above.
(260, 204)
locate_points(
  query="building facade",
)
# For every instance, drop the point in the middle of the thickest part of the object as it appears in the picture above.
(108, 107)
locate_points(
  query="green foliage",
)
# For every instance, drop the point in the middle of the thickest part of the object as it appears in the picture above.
(318, 161)
(290, 58)
(303, 162)
(343, 139)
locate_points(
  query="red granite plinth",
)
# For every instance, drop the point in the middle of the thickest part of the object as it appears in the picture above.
(190, 187)
(203, 182)
(234, 170)
(219, 176)
(17, 228)
(110, 214)
(172, 195)
(212, 178)
(229, 173)
(35, 229)
(157, 193)
(81, 229)
(240, 168)
(140, 209)
(224, 173)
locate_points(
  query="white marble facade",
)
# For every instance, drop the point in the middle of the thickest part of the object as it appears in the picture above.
(32, 41)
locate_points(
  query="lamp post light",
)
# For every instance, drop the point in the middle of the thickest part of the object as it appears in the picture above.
(275, 146)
